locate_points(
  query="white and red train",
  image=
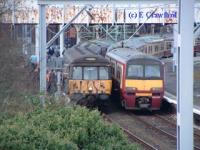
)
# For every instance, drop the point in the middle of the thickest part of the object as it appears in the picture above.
(138, 79)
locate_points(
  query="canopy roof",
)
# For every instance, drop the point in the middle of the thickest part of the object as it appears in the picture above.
(124, 2)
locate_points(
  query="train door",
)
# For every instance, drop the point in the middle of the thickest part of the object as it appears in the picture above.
(115, 89)
(113, 68)
(119, 75)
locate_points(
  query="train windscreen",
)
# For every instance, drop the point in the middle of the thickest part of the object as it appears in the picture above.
(90, 73)
(135, 71)
(77, 73)
(103, 73)
(152, 71)
(143, 71)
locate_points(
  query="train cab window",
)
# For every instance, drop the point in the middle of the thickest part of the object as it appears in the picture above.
(135, 71)
(90, 73)
(103, 73)
(152, 71)
(77, 73)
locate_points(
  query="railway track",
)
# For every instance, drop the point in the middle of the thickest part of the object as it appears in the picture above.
(158, 126)
(131, 136)
(196, 132)
(141, 133)
(164, 126)
(161, 130)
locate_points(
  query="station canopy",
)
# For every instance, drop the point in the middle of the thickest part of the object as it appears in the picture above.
(124, 2)
(103, 12)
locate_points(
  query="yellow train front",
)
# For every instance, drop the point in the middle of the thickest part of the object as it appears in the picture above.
(90, 81)
(138, 78)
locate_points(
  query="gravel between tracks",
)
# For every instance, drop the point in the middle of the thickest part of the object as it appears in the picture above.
(160, 141)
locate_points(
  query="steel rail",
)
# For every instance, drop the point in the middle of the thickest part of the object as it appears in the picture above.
(159, 130)
(131, 135)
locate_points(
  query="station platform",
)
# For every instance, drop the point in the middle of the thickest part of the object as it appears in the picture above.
(170, 84)
(172, 99)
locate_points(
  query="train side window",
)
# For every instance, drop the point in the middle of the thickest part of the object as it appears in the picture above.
(77, 73)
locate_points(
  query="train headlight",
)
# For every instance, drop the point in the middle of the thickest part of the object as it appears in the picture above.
(130, 90)
(90, 89)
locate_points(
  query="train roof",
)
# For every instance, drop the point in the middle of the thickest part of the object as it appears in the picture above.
(127, 54)
(85, 48)
(77, 51)
(137, 42)
(92, 60)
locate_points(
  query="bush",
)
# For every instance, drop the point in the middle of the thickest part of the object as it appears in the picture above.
(61, 128)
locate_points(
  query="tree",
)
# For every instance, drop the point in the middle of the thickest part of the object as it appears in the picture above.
(15, 78)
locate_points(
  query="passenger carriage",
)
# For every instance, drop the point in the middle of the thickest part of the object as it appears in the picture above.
(139, 78)
(90, 78)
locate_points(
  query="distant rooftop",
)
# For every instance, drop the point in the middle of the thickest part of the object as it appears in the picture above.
(137, 42)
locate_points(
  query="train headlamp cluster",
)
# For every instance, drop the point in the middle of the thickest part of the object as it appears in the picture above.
(90, 89)
(130, 90)
(90, 59)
